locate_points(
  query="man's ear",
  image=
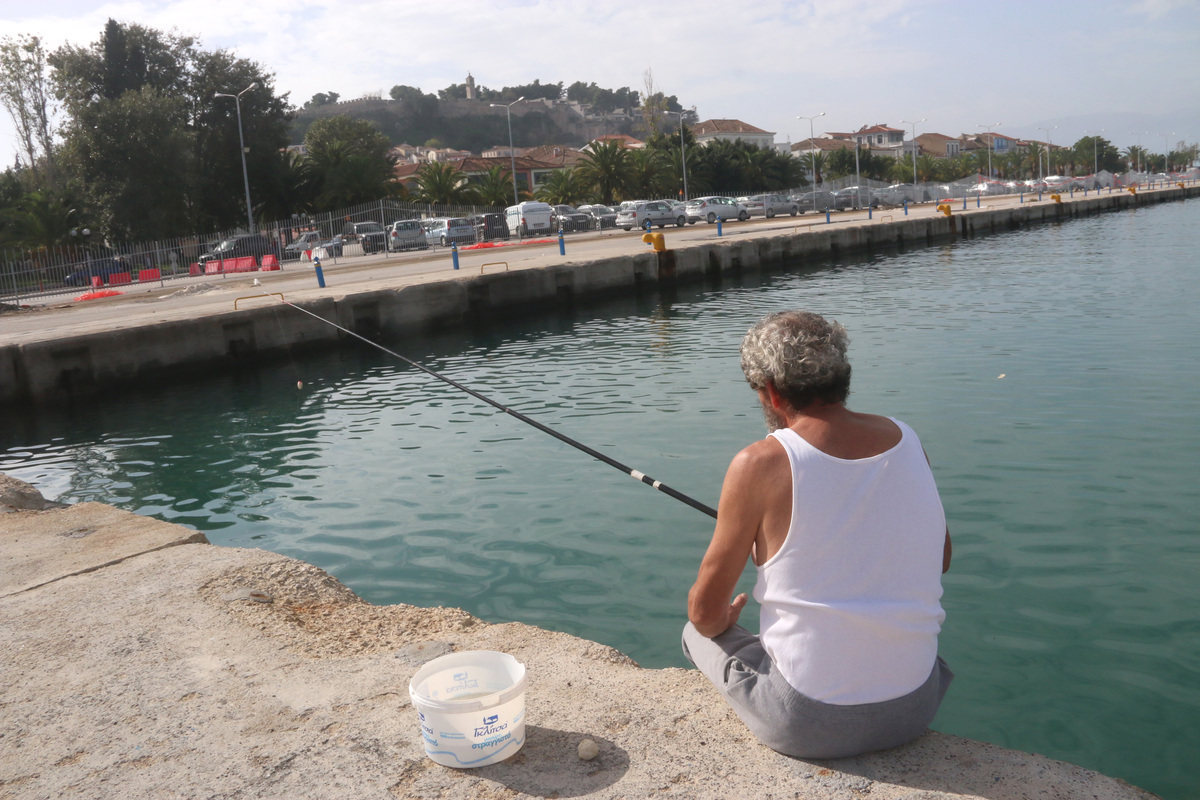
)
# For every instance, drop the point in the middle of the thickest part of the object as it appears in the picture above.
(777, 401)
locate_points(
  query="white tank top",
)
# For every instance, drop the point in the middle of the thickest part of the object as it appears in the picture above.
(850, 603)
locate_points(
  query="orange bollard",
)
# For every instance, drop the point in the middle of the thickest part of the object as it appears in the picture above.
(656, 240)
(944, 208)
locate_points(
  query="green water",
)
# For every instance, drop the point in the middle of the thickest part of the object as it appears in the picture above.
(1069, 483)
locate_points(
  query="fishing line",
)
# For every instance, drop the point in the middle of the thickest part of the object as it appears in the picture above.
(633, 473)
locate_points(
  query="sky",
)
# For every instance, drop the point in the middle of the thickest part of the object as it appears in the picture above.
(1126, 68)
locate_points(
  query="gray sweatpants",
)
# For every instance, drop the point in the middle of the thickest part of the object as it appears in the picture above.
(787, 721)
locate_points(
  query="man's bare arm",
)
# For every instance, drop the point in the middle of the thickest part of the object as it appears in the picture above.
(739, 518)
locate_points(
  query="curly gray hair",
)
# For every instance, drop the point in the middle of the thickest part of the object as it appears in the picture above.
(801, 354)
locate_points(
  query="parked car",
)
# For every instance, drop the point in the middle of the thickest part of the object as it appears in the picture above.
(855, 197)
(100, 267)
(768, 205)
(711, 209)
(370, 235)
(444, 231)
(489, 227)
(302, 243)
(896, 194)
(652, 212)
(568, 218)
(601, 216)
(406, 234)
(816, 200)
(332, 247)
(244, 244)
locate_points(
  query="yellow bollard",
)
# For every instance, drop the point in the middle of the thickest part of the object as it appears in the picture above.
(1180, 184)
(1056, 198)
(944, 208)
(657, 240)
(1133, 190)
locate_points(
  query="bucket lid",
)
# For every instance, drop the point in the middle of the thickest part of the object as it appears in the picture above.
(516, 671)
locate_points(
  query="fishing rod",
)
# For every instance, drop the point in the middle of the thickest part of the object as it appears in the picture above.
(633, 473)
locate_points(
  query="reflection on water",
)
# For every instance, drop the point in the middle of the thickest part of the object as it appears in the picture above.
(1049, 372)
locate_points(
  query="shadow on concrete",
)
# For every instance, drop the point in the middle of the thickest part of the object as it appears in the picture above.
(549, 765)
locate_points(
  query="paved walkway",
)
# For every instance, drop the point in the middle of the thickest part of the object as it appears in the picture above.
(183, 298)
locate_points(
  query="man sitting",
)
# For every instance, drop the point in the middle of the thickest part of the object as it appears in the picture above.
(841, 515)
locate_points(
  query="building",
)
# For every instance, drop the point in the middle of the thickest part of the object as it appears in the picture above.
(731, 130)
(875, 137)
(529, 172)
(626, 141)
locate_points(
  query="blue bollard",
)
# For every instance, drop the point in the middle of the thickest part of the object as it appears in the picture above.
(562, 246)
(320, 275)
(826, 215)
(1022, 197)
(1039, 195)
(454, 253)
(869, 214)
(718, 227)
(964, 202)
(978, 200)
(906, 208)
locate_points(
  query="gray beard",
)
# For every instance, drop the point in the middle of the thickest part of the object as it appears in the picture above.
(774, 420)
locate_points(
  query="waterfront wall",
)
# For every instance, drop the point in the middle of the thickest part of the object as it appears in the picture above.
(72, 368)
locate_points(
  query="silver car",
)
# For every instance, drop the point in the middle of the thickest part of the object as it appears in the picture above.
(653, 212)
(768, 205)
(711, 209)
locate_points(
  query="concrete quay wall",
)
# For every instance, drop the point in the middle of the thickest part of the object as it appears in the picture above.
(70, 368)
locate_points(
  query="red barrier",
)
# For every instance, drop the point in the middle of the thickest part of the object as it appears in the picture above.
(194, 269)
(97, 281)
(270, 262)
(118, 278)
(214, 267)
(242, 264)
(150, 275)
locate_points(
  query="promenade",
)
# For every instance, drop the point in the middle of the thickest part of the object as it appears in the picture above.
(56, 348)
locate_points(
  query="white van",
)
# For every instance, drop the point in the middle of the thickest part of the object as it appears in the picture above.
(530, 218)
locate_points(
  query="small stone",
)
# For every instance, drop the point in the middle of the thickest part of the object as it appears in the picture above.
(588, 750)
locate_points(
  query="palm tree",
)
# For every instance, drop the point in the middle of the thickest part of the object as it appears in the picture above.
(442, 184)
(494, 188)
(814, 162)
(606, 169)
(649, 174)
(927, 169)
(561, 186)
(39, 221)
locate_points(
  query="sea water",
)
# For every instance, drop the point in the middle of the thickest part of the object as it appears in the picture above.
(1050, 372)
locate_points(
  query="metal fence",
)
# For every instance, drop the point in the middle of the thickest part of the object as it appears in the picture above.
(88, 262)
(84, 263)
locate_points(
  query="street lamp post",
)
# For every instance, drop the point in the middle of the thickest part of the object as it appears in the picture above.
(991, 144)
(915, 149)
(1048, 145)
(1139, 150)
(512, 157)
(812, 156)
(1167, 152)
(237, 99)
(682, 152)
(1095, 150)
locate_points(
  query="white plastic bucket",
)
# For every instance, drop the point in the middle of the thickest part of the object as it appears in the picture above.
(471, 706)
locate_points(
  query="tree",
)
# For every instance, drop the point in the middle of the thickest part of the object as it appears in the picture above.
(562, 186)
(39, 221)
(606, 169)
(650, 174)
(814, 163)
(349, 162)
(440, 183)
(149, 148)
(322, 99)
(494, 188)
(25, 93)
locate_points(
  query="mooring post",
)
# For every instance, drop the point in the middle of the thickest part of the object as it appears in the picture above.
(562, 246)
(320, 275)
(454, 253)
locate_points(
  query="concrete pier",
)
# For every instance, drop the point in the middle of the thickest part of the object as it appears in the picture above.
(67, 351)
(138, 661)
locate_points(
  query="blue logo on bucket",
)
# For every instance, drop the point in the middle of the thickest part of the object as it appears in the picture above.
(460, 676)
(491, 720)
